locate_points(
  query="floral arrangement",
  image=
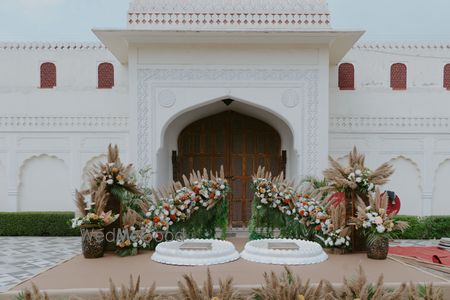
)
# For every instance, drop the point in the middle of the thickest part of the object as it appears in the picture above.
(172, 210)
(95, 220)
(356, 176)
(92, 212)
(113, 175)
(277, 204)
(312, 214)
(335, 239)
(374, 220)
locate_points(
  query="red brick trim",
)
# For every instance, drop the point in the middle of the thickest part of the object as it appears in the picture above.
(48, 75)
(346, 76)
(105, 76)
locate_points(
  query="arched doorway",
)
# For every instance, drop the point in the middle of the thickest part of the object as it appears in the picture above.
(238, 142)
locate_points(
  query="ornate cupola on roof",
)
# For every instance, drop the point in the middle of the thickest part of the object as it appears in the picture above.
(229, 15)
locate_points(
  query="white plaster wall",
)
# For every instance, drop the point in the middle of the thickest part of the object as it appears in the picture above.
(182, 83)
(406, 183)
(44, 185)
(3, 187)
(74, 121)
(441, 195)
(386, 124)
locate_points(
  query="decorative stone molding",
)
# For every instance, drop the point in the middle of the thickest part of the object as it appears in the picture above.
(228, 14)
(304, 79)
(64, 123)
(402, 46)
(51, 46)
(166, 98)
(389, 124)
(290, 98)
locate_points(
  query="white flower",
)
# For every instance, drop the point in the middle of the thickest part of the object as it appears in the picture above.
(110, 181)
(132, 228)
(164, 228)
(358, 179)
(148, 214)
(135, 245)
(351, 175)
(358, 172)
(264, 201)
(381, 229)
(144, 245)
(121, 182)
(222, 186)
(371, 186)
(366, 224)
(258, 207)
(111, 164)
(218, 193)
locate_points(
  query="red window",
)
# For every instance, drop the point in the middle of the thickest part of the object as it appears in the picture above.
(48, 75)
(105, 76)
(447, 76)
(398, 76)
(346, 77)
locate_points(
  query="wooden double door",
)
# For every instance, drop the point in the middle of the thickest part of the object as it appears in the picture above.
(238, 142)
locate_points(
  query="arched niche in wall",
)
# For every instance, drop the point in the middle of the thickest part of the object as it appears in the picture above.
(3, 188)
(96, 160)
(44, 185)
(406, 183)
(441, 197)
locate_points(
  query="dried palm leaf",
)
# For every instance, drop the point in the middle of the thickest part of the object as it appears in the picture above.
(80, 203)
(381, 175)
(34, 293)
(132, 292)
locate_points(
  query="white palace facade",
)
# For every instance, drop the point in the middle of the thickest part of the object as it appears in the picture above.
(200, 83)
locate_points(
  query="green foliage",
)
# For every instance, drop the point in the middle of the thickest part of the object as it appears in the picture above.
(433, 227)
(264, 221)
(416, 229)
(437, 227)
(202, 223)
(36, 224)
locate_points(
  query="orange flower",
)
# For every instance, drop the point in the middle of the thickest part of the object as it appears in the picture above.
(173, 217)
(115, 170)
(301, 213)
(212, 195)
(146, 221)
(156, 219)
(318, 227)
(196, 189)
(286, 201)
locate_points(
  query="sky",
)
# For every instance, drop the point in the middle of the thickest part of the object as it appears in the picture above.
(72, 20)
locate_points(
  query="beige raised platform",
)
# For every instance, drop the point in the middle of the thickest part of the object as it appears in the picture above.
(90, 275)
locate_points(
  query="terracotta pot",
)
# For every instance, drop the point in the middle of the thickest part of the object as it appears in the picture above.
(92, 241)
(379, 248)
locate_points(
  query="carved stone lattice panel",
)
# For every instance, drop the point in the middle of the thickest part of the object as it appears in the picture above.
(306, 80)
(229, 14)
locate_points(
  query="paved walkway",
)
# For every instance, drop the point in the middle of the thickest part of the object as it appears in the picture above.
(21, 258)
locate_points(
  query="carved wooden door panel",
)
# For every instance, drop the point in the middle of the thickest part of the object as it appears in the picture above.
(238, 142)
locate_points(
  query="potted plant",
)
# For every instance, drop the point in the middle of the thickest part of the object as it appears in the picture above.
(92, 223)
(377, 225)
